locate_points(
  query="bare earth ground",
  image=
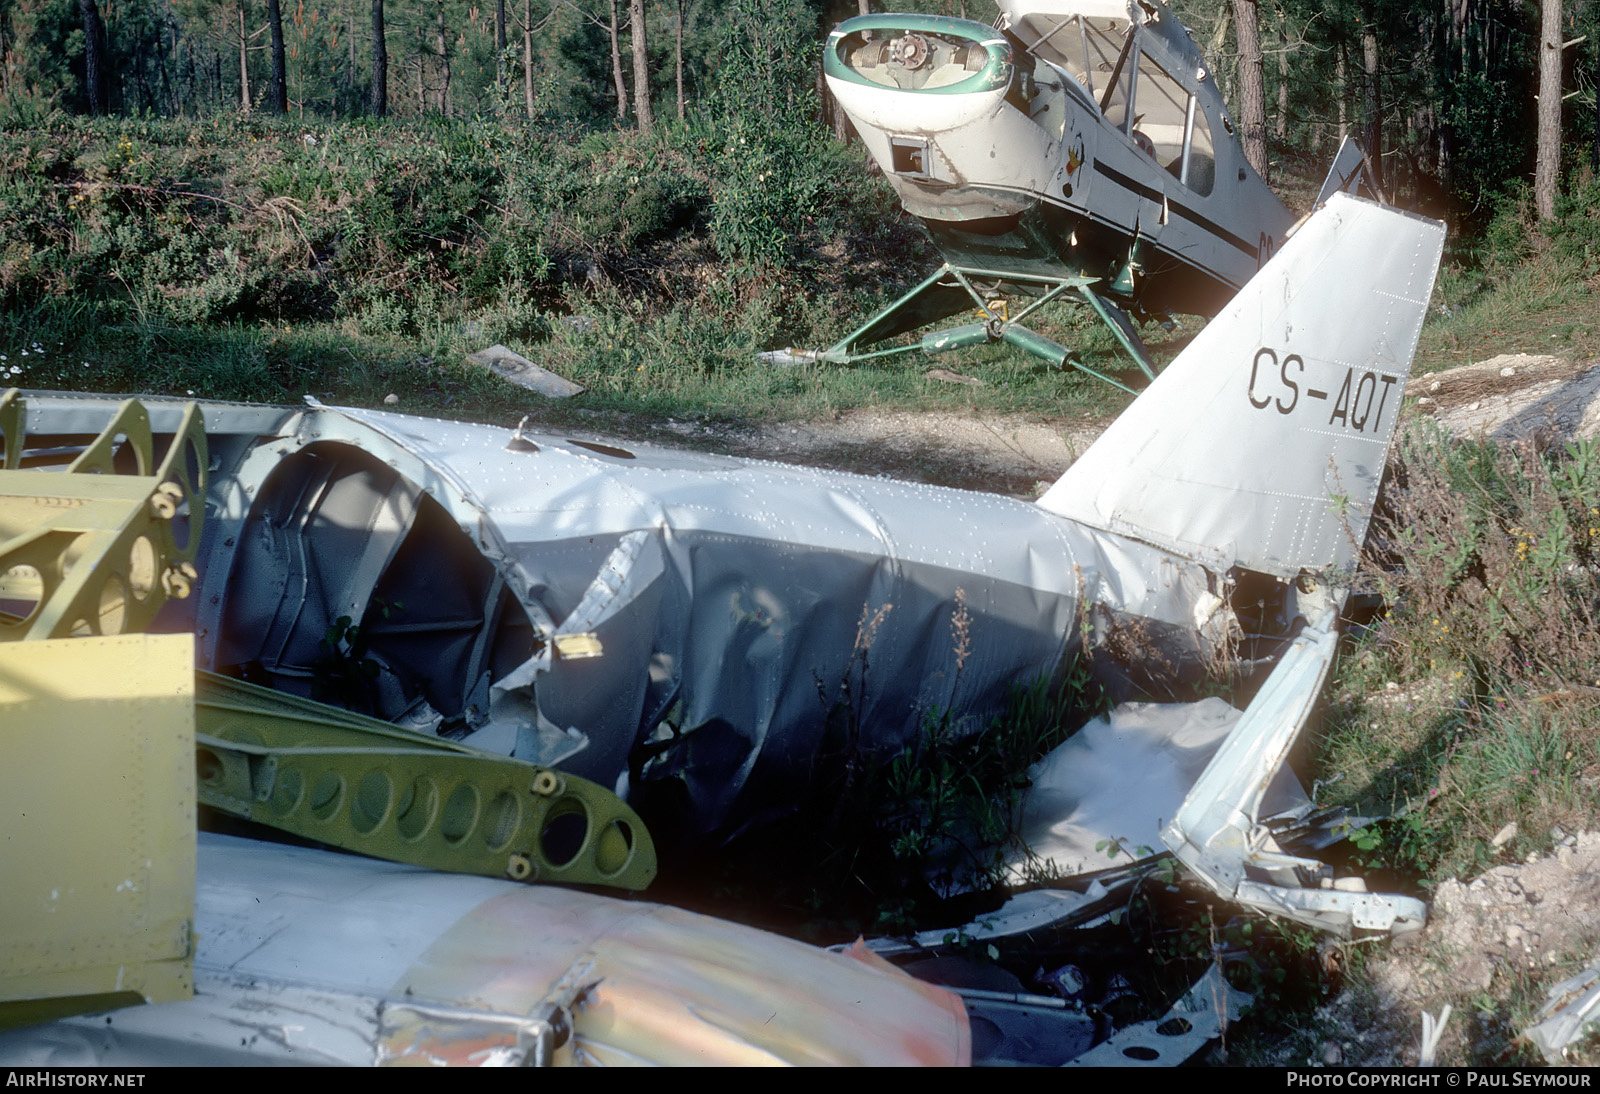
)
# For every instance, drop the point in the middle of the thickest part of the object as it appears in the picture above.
(1534, 923)
(1004, 454)
(1513, 396)
(1524, 926)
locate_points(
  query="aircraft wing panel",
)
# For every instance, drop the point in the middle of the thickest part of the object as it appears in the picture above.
(310, 957)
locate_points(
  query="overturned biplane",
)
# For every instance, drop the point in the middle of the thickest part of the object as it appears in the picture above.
(661, 623)
(1082, 150)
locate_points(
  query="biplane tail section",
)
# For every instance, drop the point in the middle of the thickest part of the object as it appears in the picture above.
(1262, 445)
(1350, 174)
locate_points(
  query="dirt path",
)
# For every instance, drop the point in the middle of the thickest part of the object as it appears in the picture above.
(1515, 395)
(1006, 454)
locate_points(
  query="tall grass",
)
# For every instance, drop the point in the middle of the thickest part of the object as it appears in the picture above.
(1523, 286)
(1470, 706)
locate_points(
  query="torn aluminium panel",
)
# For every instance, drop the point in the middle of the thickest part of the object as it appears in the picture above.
(1572, 1009)
(1220, 773)
(1198, 1018)
(519, 370)
(1218, 833)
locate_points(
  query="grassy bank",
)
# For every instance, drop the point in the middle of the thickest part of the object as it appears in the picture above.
(262, 259)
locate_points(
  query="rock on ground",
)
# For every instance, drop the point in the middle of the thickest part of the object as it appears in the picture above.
(1515, 395)
(1516, 930)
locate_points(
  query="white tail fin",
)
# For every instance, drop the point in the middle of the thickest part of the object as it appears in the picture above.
(1262, 445)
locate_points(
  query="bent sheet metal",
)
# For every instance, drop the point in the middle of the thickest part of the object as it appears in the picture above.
(308, 957)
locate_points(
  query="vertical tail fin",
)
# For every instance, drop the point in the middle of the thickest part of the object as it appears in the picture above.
(1263, 444)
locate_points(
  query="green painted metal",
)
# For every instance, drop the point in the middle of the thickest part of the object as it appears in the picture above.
(903, 314)
(1121, 326)
(1102, 377)
(97, 549)
(367, 786)
(972, 334)
(1054, 294)
(1124, 283)
(11, 430)
(1035, 343)
(843, 352)
(995, 74)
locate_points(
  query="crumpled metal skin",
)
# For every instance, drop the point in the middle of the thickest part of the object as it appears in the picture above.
(648, 616)
(732, 604)
(735, 601)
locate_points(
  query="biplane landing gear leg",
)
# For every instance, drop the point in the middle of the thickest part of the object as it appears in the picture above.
(902, 316)
(843, 352)
(1121, 326)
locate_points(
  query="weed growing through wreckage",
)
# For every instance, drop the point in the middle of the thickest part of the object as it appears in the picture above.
(882, 839)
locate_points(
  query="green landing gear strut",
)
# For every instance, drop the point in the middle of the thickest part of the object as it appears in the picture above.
(948, 289)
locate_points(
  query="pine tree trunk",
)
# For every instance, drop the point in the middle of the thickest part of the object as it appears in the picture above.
(616, 66)
(1252, 91)
(678, 60)
(378, 99)
(1372, 105)
(641, 66)
(527, 54)
(94, 42)
(1280, 128)
(500, 46)
(1344, 92)
(1547, 160)
(441, 48)
(244, 63)
(350, 71)
(279, 91)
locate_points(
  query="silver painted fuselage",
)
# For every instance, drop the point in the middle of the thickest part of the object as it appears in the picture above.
(636, 615)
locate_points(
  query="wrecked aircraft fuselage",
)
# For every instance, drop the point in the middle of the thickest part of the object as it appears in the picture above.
(636, 616)
(668, 624)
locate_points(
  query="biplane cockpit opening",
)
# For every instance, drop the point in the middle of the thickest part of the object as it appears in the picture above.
(352, 586)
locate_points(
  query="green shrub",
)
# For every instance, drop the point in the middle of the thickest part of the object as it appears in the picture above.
(1466, 708)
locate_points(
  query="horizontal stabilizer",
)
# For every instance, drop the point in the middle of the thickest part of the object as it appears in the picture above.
(1263, 444)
